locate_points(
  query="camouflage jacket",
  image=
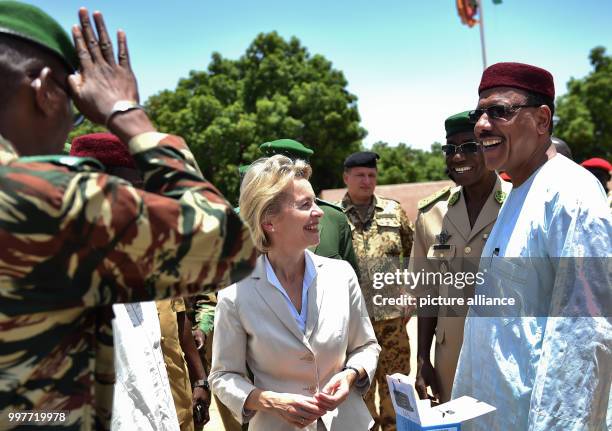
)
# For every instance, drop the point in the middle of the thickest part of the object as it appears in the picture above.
(382, 243)
(75, 241)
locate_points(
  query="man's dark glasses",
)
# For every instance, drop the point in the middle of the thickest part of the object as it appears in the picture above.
(497, 112)
(465, 148)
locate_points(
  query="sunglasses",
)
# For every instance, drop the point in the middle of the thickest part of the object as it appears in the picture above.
(497, 112)
(465, 148)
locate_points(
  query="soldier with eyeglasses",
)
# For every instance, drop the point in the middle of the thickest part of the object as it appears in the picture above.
(452, 227)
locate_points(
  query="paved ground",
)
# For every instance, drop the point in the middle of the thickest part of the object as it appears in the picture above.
(215, 423)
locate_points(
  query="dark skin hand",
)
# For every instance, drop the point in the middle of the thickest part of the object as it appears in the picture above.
(425, 375)
(102, 81)
(199, 338)
(196, 370)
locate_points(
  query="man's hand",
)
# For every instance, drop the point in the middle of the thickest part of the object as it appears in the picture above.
(199, 338)
(426, 376)
(201, 397)
(336, 390)
(101, 81)
(297, 410)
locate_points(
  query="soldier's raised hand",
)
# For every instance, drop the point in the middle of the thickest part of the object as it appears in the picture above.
(101, 81)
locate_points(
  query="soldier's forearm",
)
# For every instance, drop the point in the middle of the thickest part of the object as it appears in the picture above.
(426, 330)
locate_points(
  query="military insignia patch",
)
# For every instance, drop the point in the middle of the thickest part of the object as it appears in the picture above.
(443, 237)
(500, 196)
(454, 198)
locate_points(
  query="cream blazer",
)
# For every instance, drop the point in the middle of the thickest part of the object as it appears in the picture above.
(254, 327)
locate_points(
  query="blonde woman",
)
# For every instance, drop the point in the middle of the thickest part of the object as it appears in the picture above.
(299, 322)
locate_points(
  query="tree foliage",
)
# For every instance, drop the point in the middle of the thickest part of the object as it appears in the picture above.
(585, 111)
(403, 164)
(277, 89)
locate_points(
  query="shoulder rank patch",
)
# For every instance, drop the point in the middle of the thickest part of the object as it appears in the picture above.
(500, 196)
(74, 163)
(329, 204)
(454, 198)
(433, 198)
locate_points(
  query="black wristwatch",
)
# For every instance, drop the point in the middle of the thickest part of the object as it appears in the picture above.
(202, 383)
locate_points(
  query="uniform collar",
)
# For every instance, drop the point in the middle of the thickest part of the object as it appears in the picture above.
(7, 152)
(457, 213)
(348, 204)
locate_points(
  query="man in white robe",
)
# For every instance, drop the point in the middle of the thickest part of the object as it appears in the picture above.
(545, 362)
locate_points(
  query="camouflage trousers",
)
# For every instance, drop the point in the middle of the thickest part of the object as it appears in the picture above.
(394, 358)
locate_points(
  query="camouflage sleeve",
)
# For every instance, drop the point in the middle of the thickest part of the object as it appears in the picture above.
(205, 312)
(96, 240)
(407, 233)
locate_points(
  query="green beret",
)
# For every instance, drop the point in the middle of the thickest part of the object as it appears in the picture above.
(458, 123)
(242, 169)
(286, 147)
(32, 24)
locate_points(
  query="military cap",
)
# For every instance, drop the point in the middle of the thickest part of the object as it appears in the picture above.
(365, 159)
(28, 22)
(518, 75)
(286, 147)
(105, 147)
(459, 123)
(597, 163)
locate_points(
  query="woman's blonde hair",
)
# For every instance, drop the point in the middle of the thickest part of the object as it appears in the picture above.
(263, 192)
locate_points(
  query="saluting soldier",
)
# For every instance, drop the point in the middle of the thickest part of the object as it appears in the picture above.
(451, 229)
(382, 237)
(75, 239)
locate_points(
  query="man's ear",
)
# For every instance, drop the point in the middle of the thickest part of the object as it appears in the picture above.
(543, 119)
(45, 95)
(345, 178)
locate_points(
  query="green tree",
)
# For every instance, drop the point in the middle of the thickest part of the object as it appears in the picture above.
(585, 111)
(277, 89)
(404, 164)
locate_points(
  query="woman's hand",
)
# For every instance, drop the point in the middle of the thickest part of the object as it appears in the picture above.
(336, 390)
(295, 409)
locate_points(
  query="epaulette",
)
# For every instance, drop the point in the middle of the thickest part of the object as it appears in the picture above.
(433, 198)
(79, 164)
(328, 204)
(454, 197)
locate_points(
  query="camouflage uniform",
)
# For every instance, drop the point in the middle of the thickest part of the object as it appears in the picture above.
(382, 243)
(75, 240)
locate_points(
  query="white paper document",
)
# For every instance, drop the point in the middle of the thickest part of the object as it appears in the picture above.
(408, 405)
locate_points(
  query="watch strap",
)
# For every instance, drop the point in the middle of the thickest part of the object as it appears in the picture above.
(202, 383)
(121, 106)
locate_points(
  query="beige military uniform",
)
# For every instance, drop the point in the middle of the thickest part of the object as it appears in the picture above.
(382, 240)
(445, 242)
(178, 375)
